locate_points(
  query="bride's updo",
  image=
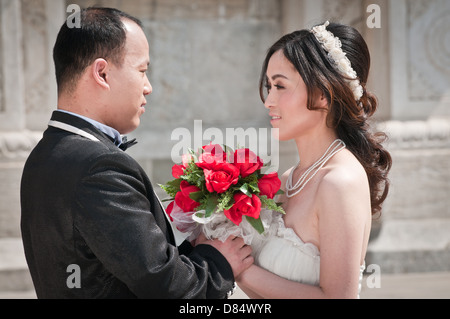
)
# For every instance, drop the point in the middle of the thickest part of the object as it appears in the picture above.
(346, 114)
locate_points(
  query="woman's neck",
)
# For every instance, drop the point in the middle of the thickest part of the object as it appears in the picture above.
(312, 147)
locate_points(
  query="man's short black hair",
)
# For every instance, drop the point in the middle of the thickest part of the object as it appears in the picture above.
(101, 35)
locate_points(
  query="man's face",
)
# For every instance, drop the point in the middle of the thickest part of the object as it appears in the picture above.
(129, 83)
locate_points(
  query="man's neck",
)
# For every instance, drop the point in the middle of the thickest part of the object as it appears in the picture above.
(111, 132)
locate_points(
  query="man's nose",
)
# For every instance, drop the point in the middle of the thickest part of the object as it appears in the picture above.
(148, 89)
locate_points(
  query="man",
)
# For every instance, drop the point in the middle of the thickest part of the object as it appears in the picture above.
(88, 209)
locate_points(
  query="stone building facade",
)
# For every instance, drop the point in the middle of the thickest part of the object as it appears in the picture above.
(206, 57)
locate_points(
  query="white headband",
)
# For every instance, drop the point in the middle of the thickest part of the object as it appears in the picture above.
(333, 45)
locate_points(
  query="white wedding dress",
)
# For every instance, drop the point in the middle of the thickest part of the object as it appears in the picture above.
(282, 252)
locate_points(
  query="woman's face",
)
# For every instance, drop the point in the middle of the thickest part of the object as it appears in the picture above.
(287, 98)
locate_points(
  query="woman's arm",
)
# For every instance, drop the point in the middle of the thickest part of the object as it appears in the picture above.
(344, 219)
(259, 283)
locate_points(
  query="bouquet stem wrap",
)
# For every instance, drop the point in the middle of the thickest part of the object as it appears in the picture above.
(217, 226)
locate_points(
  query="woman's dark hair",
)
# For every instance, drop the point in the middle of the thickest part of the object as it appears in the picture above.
(347, 116)
(101, 35)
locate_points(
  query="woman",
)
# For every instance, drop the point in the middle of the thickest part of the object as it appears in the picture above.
(315, 81)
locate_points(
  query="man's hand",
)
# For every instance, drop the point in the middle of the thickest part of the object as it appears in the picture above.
(237, 253)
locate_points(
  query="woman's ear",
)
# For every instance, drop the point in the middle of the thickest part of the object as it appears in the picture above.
(100, 72)
(321, 101)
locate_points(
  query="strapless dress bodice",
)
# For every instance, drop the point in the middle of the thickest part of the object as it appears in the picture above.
(284, 253)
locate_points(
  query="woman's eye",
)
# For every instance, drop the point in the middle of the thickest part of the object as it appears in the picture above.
(277, 86)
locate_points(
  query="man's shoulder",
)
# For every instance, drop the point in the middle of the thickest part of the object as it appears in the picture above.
(109, 156)
(70, 151)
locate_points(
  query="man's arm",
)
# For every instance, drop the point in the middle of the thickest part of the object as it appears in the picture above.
(115, 218)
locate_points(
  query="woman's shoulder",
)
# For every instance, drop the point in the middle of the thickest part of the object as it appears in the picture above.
(344, 191)
(344, 175)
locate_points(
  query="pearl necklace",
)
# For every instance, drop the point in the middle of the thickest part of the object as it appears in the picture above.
(292, 190)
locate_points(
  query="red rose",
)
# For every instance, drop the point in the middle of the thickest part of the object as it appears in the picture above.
(269, 185)
(169, 209)
(220, 177)
(243, 205)
(213, 154)
(213, 149)
(178, 170)
(247, 161)
(182, 198)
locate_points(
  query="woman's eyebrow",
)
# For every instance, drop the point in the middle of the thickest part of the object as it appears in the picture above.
(276, 76)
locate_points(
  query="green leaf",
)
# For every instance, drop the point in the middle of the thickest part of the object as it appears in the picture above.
(254, 187)
(211, 205)
(251, 179)
(172, 187)
(197, 196)
(225, 200)
(200, 215)
(256, 224)
(271, 204)
(244, 189)
(175, 183)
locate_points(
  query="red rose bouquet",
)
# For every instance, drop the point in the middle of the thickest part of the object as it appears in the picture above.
(217, 188)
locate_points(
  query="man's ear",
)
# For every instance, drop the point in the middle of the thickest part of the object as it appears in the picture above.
(99, 71)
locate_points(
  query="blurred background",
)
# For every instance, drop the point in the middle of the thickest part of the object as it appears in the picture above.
(206, 57)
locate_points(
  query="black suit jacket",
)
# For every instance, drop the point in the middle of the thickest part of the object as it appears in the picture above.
(89, 204)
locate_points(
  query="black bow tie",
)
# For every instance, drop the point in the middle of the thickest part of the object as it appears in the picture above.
(126, 144)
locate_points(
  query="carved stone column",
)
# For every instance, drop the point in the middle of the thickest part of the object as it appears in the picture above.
(27, 92)
(415, 233)
(12, 107)
(27, 96)
(41, 20)
(12, 116)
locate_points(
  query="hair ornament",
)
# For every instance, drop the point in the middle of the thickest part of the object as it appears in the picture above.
(333, 45)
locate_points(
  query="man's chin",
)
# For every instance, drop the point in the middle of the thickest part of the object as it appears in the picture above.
(129, 129)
